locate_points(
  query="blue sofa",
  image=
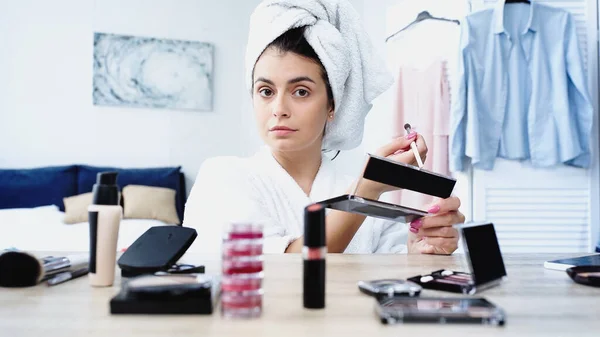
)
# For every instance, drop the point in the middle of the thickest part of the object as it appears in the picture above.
(33, 187)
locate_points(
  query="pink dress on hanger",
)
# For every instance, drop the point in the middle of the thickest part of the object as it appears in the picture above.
(423, 101)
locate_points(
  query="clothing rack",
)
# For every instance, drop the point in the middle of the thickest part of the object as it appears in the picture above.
(424, 15)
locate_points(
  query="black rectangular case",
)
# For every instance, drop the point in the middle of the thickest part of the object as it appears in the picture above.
(156, 250)
(200, 299)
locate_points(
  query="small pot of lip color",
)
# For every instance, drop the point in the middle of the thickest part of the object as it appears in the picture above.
(246, 304)
(240, 231)
(242, 282)
(243, 265)
(242, 247)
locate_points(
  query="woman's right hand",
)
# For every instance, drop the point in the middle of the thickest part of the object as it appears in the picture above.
(399, 150)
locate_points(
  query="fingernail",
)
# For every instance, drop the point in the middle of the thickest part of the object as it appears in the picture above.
(434, 209)
(416, 223)
(411, 135)
(414, 230)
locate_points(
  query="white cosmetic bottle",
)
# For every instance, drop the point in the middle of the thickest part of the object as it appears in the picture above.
(104, 216)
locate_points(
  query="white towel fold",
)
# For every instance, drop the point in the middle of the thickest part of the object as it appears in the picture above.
(334, 30)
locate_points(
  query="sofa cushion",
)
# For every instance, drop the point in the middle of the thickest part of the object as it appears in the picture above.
(76, 208)
(147, 202)
(33, 187)
(168, 177)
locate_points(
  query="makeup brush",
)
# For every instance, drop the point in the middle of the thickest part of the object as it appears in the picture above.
(413, 146)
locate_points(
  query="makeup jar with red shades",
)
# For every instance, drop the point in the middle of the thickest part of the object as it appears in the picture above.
(242, 271)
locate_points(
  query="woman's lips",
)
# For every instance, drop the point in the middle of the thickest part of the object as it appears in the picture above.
(281, 131)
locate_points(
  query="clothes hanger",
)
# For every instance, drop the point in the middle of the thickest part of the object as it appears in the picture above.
(424, 15)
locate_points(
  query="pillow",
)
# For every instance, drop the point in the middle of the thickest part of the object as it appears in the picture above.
(76, 208)
(168, 177)
(27, 188)
(147, 202)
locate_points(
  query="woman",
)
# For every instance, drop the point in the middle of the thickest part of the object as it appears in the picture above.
(304, 78)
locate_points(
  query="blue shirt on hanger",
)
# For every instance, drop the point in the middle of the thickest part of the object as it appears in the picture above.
(520, 91)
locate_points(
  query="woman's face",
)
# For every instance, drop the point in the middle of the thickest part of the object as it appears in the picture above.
(290, 101)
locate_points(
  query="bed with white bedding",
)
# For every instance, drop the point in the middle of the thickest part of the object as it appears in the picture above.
(42, 229)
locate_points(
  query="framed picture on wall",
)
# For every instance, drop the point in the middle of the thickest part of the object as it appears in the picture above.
(146, 72)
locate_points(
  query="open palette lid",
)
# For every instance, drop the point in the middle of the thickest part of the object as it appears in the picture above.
(483, 256)
(394, 175)
(483, 253)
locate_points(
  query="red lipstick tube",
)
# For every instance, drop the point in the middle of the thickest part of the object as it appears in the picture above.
(314, 253)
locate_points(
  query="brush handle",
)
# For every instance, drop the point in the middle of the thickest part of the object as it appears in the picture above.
(413, 146)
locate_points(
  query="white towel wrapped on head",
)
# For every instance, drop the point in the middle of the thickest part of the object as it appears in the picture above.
(333, 29)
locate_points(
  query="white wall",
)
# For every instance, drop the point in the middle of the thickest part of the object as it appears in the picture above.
(46, 111)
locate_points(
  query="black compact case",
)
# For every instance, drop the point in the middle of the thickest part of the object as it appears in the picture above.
(158, 249)
(484, 257)
(167, 294)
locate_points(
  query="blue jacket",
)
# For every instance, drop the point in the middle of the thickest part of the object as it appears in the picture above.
(520, 90)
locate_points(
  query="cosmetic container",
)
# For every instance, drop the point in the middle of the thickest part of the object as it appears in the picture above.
(104, 216)
(242, 271)
(314, 255)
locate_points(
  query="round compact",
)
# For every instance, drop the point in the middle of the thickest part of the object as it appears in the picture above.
(587, 275)
(389, 288)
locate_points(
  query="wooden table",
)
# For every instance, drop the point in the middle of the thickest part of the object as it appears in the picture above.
(538, 302)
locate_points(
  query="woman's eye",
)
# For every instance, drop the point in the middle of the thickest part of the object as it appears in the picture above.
(301, 92)
(265, 92)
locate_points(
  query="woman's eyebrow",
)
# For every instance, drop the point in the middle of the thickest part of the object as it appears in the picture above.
(262, 79)
(292, 81)
(300, 79)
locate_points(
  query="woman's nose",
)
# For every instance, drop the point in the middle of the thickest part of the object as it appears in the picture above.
(280, 107)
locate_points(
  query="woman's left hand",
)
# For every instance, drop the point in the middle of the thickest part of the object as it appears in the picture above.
(434, 234)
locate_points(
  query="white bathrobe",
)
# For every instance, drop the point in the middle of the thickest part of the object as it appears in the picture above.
(257, 189)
